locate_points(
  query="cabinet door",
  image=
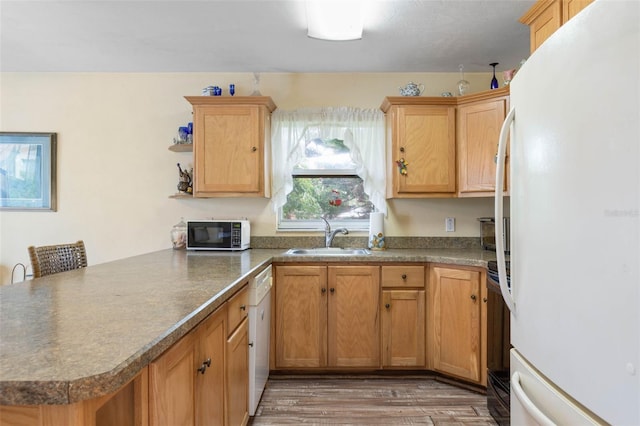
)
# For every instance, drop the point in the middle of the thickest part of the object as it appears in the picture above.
(544, 18)
(454, 322)
(228, 150)
(478, 132)
(403, 333)
(172, 385)
(353, 326)
(570, 8)
(425, 137)
(237, 395)
(301, 316)
(209, 387)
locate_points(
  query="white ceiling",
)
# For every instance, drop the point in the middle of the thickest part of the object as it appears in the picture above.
(256, 36)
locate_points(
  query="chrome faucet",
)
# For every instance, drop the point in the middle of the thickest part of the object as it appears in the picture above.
(329, 234)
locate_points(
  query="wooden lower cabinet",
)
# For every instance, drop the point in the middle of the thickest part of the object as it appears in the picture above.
(403, 324)
(203, 379)
(300, 316)
(456, 322)
(353, 327)
(237, 376)
(125, 407)
(326, 316)
(210, 385)
(402, 313)
(187, 381)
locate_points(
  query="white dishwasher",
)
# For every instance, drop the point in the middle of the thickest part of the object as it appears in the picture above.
(259, 332)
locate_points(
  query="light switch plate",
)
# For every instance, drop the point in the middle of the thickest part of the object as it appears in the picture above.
(450, 224)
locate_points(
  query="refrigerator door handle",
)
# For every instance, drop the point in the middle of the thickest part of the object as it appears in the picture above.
(499, 213)
(526, 402)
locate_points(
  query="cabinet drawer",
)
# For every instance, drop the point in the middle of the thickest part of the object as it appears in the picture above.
(403, 276)
(238, 307)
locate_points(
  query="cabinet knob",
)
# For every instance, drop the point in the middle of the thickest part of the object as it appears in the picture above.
(387, 306)
(332, 290)
(254, 149)
(251, 344)
(243, 307)
(323, 290)
(484, 299)
(473, 297)
(404, 276)
(402, 149)
(204, 366)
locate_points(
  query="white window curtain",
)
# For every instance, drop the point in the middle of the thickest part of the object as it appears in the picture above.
(362, 131)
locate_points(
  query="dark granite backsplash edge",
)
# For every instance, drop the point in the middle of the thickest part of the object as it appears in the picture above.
(275, 242)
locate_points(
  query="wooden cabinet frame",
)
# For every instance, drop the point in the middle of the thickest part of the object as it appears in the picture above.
(448, 143)
(325, 316)
(457, 321)
(232, 146)
(546, 16)
(420, 131)
(478, 124)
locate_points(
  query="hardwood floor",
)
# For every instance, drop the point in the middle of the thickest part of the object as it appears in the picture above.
(369, 401)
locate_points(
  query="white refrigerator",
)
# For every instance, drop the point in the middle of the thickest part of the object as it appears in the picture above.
(574, 135)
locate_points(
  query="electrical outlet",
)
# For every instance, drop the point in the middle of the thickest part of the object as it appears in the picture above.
(450, 224)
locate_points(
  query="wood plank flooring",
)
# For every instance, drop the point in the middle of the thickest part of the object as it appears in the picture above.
(369, 401)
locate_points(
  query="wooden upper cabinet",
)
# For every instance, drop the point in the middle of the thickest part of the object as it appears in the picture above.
(420, 131)
(546, 16)
(231, 146)
(479, 121)
(570, 8)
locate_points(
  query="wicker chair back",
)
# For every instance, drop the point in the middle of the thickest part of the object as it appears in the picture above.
(46, 260)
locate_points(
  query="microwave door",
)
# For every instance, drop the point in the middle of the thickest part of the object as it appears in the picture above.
(210, 236)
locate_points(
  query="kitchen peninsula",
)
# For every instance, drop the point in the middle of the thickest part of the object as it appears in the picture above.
(84, 334)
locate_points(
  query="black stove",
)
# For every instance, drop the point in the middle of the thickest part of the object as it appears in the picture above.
(492, 272)
(498, 346)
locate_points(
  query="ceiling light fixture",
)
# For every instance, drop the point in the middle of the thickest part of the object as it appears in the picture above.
(334, 20)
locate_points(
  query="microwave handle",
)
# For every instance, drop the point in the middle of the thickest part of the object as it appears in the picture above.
(499, 212)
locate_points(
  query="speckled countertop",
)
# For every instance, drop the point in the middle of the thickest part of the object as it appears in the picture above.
(85, 333)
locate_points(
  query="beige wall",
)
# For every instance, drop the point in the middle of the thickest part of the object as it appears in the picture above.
(115, 172)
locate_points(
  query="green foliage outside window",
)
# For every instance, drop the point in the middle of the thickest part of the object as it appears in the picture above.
(332, 197)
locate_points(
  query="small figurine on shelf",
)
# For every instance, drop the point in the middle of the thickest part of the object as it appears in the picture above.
(185, 184)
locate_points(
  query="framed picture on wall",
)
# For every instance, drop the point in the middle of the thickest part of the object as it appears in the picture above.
(27, 171)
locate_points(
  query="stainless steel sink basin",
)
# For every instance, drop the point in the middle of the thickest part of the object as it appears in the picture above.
(330, 251)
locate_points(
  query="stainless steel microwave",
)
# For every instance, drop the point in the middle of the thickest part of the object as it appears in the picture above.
(218, 234)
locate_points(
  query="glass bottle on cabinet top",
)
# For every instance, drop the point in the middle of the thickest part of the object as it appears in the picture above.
(256, 84)
(463, 85)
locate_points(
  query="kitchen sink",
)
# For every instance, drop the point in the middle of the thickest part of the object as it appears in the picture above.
(330, 251)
